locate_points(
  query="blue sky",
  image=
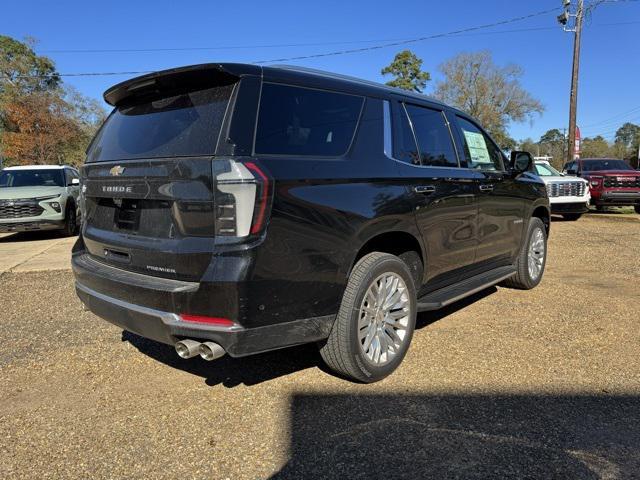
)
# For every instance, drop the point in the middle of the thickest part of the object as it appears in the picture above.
(610, 62)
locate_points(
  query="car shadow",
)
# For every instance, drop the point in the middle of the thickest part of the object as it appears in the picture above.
(34, 236)
(425, 319)
(473, 436)
(255, 369)
(231, 372)
(612, 211)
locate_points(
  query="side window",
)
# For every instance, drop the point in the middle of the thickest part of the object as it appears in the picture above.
(302, 121)
(479, 150)
(404, 144)
(433, 136)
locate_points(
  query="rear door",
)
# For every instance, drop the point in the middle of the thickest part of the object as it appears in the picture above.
(148, 182)
(501, 198)
(442, 193)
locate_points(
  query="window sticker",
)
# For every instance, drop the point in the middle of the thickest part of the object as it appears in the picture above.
(477, 148)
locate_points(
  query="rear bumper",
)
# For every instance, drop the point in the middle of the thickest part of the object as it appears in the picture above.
(102, 289)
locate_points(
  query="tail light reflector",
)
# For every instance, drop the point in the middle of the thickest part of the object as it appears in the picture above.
(219, 321)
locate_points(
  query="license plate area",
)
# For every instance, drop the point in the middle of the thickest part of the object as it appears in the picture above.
(127, 214)
(143, 217)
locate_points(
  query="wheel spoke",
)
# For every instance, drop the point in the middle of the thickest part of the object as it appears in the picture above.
(376, 349)
(382, 320)
(393, 335)
(368, 339)
(397, 314)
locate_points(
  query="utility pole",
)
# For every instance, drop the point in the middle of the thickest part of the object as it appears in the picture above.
(563, 19)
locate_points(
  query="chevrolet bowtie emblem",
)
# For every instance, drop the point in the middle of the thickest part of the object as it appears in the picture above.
(116, 171)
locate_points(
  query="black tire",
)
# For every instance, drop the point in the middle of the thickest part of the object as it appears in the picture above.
(70, 221)
(343, 351)
(522, 280)
(571, 217)
(601, 208)
(637, 209)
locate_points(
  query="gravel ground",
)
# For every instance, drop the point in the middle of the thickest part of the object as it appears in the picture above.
(538, 384)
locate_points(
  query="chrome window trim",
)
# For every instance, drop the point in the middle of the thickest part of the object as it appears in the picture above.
(386, 121)
(388, 138)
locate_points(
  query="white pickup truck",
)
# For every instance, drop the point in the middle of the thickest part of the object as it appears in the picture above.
(569, 196)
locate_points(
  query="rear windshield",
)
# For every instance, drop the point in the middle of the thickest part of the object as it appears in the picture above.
(32, 178)
(303, 121)
(186, 124)
(595, 165)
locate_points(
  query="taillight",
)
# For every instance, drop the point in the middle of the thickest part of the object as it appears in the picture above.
(218, 321)
(242, 198)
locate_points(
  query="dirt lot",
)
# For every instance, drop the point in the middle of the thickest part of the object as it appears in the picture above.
(539, 384)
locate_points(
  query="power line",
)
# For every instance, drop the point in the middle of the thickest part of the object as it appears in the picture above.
(413, 40)
(311, 44)
(326, 54)
(628, 116)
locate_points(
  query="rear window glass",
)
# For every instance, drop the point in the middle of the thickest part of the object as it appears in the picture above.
(302, 121)
(185, 124)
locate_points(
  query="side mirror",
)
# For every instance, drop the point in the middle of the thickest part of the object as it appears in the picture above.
(75, 182)
(521, 162)
(572, 171)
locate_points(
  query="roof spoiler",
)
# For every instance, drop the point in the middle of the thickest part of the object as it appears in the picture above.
(194, 77)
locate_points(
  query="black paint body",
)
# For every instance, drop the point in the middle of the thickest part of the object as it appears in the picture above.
(285, 286)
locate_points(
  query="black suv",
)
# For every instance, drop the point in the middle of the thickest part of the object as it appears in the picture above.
(238, 209)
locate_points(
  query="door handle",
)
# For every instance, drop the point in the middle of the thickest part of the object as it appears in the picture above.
(424, 189)
(486, 187)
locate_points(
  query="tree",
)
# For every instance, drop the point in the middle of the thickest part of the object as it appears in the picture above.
(552, 144)
(41, 120)
(22, 71)
(628, 136)
(406, 68)
(40, 129)
(552, 136)
(596, 147)
(529, 145)
(492, 94)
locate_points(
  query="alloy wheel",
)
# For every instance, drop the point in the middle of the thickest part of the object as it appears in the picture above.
(384, 318)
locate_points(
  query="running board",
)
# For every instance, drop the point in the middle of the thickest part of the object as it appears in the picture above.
(457, 291)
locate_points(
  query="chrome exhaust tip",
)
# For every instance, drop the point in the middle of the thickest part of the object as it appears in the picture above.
(187, 348)
(210, 351)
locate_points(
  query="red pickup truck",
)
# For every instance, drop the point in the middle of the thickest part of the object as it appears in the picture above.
(612, 182)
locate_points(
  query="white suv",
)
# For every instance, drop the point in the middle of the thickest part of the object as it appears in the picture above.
(39, 197)
(568, 196)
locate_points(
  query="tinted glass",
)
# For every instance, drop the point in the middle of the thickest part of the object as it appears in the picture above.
(32, 178)
(181, 125)
(404, 143)
(479, 150)
(605, 164)
(301, 121)
(433, 136)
